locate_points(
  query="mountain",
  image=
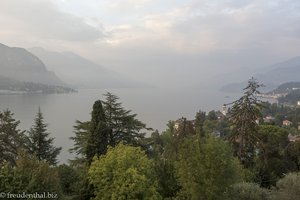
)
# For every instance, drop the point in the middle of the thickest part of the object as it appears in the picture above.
(83, 73)
(291, 99)
(286, 88)
(273, 76)
(12, 86)
(21, 65)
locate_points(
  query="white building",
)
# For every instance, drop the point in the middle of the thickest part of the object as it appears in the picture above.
(224, 110)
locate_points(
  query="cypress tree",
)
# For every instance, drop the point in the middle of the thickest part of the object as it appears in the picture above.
(40, 143)
(98, 134)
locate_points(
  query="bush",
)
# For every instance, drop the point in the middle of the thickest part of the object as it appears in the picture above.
(287, 188)
(124, 172)
(247, 191)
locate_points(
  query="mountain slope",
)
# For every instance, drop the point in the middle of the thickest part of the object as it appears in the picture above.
(286, 71)
(21, 65)
(286, 88)
(80, 72)
(12, 86)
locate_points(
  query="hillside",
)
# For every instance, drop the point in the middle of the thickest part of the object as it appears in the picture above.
(291, 98)
(11, 86)
(19, 64)
(81, 72)
(286, 88)
(272, 76)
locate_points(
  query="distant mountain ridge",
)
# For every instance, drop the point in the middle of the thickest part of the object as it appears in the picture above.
(286, 71)
(21, 65)
(81, 72)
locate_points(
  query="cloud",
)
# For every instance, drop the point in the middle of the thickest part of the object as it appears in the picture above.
(128, 5)
(201, 37)
(42, 19)
(152, 38)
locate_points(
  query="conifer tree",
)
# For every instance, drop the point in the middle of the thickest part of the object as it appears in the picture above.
(123, 126)
(11, 138)
(98, 135)
(110, 124)
(82, 134)
(40, 143)
(243, 116)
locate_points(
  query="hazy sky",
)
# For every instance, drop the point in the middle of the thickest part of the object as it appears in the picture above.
(156, 40)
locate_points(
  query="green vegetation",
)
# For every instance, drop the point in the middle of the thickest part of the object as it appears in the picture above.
(247, 154)
(243, 116)
(40, 145)
(124, 172)
(288, 188)
(247, 191)
(11, 138)
(206, 169)
(29, 175)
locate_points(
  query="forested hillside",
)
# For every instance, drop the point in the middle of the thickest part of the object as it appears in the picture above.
(11, 86)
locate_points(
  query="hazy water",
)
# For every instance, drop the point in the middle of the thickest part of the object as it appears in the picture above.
(154, 106)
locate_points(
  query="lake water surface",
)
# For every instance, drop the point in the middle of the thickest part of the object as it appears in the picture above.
(154, 106)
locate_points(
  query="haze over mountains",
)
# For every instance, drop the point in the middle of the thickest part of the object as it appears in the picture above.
(58, 69)
(271, 76)
(21, 65)
(82, 73)
(67, 68)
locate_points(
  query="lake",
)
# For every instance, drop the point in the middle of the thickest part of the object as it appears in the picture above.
(154, 106)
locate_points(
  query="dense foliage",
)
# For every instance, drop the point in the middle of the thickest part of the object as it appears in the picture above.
(123, 173)
(29, 175)
(41, 144)
(206, 169)
(247, 154)
(11, 137)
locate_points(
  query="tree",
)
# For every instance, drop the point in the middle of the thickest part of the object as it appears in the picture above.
(288, 188)
(123, 126)
(68, 178)
(82, 134)
(212, 116)
(168, 185)
(244, 113)
(40, 143)
(247, 191)
(292, 153)
(199, 122)
(124, 172)
(155, 144)
(110, 124)
(10, 180)
(206, 170)
(271, 163)
(97, 140)
(11, 138)
(30, 176)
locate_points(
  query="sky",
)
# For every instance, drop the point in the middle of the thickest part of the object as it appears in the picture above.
(157, 40)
